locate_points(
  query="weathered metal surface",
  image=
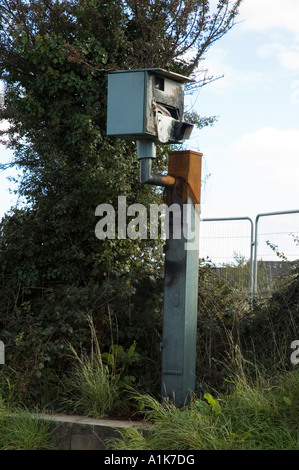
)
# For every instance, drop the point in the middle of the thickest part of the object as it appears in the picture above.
(147, 177)
(181, 284)
(187, 165)
(138, 99)
(2, 353)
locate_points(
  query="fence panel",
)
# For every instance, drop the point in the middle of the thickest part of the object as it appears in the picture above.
(276, 247)
(248, 257)
(227, 244)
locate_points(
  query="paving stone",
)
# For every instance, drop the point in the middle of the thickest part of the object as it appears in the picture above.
(82, 433)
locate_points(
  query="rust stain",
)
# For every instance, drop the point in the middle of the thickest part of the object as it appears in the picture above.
(169, 180)
(185, 167)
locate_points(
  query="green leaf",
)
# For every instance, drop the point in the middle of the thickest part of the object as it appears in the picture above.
(287, 401)
(108, 358)
(214, 403)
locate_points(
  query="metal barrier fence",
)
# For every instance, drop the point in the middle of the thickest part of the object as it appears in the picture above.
(227, 244)
(276, 247)
(248, 256)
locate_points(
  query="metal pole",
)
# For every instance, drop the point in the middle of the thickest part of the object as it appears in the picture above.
(181, 282)
(255, 255)
(146, 152)
(180, 312)
(2, 353)
(181, 267)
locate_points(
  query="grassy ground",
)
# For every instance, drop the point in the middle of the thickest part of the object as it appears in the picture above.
(260, 417)
(20, 431)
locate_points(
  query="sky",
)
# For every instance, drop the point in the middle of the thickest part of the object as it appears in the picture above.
(251, 154)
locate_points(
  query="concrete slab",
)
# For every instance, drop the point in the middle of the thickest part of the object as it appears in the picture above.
(84, 433)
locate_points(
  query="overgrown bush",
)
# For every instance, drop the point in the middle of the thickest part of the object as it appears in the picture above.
(39, 331)
(231, 324)
(267, 331)
(234, 334)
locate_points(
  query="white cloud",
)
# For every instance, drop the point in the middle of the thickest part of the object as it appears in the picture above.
(295, 93)
(288, 56)
(261, 15)
(255, 173)
(290, 59)
(218, 65)
(279, 20)
(273, 153)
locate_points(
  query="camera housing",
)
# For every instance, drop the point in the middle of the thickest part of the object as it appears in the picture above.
(147, 104)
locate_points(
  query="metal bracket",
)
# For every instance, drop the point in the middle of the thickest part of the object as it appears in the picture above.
(146, 152)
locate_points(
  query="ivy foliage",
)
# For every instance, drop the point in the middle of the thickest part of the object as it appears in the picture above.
(54, 272)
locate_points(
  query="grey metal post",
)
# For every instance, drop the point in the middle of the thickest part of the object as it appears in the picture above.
(2, 353)
(181, 268)
(255, 255)
(180, 310)
(181, 278)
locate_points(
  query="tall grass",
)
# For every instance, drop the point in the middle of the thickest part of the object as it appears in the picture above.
(99, 381)
(95, 391)
(94, 387)
(263, 417)
(19, 430)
